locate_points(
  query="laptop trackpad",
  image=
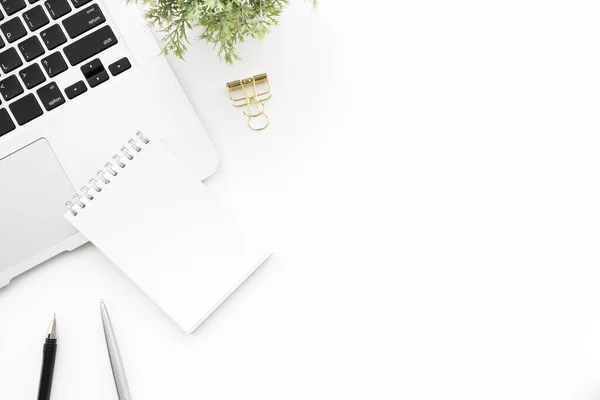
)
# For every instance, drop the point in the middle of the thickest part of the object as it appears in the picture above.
(33, 192)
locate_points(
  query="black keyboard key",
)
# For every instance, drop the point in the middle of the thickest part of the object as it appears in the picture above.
(6, 123)
(92, 68)
(10, 88)
(53, 37)
(98, 79)
(94, 72)
(79, 3)
(122, 65)
(50, 96)
(57, 8)
(12, 6)
(1, 43)
(26, 109)
(35, 18)
(31, 48)
(32, 76)
(83, 21)
(32, 1)
(90, 45)
(13, 29)
(75, 90)
(9, 60)
(54, 64)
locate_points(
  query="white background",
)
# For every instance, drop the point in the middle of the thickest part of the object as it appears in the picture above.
(430, 183)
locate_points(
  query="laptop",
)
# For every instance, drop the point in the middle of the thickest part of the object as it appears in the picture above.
(78, 79)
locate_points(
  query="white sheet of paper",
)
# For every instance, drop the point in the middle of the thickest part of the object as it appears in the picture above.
(158, 223)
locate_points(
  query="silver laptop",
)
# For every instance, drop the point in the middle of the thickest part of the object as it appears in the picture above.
(78, 78)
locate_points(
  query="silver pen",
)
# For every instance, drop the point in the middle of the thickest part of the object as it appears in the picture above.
(115, 356)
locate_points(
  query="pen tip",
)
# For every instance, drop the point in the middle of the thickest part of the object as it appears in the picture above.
(52, 328)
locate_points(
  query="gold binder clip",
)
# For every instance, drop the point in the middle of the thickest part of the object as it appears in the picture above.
(266, 122)
(258, 86)
(250, 94)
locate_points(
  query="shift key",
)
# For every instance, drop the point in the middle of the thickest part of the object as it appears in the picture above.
(90, 45)
(83, 21)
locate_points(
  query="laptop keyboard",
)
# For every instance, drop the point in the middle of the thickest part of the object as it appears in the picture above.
(31, 55)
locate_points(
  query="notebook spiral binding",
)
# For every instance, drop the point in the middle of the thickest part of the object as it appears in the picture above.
(111, 169)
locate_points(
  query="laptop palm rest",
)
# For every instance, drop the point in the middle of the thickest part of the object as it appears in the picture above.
(32, 197)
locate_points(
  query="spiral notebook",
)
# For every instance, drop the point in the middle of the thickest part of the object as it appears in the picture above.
(160, 225)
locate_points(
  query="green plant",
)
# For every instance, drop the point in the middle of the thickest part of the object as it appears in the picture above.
(225, 23)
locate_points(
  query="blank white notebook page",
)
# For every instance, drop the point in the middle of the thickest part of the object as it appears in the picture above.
(160, 225)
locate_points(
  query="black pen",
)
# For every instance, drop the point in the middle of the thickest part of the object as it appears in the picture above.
(48, 362)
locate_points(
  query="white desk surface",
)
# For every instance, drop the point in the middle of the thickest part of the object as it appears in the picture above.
(430, 183)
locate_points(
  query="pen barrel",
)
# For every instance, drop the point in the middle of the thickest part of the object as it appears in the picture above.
(47, 369)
